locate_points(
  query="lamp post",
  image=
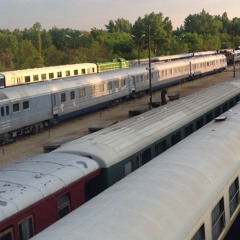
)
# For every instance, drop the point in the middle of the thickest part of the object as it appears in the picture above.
(149, 69)
(234, 69)
(74, 41)
(138, 43)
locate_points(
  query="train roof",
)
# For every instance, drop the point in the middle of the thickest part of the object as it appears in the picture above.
(119, 141)
(165, 198)
(26, 182)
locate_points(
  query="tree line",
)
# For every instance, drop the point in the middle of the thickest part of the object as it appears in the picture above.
(37, 47)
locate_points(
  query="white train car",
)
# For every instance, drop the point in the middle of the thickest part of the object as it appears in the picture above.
(189, 192)
(27, 76)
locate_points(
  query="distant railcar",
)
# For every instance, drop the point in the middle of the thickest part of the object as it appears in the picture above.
(27, 76)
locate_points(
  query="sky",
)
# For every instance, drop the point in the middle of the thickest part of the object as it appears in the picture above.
(88, 14)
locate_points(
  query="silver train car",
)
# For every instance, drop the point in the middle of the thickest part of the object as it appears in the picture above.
(30, 108)
(59, 181)
(189, 192)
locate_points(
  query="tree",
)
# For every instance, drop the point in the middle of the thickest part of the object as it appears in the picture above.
(28, 56)
(119, 25)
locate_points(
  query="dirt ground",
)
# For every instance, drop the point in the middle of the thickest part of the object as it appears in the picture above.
(34, 144)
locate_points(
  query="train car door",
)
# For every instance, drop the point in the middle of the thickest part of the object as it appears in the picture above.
(2, 81)
(4, 116)
(132, 85)
(55, 106)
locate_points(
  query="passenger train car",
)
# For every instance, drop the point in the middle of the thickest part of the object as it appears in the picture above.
(36, 192)
(27, 76)
(30, 108)
(182, 56)
(168, 58)
(189, 192)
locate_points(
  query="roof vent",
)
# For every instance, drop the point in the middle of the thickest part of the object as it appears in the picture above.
(220, 118)
(83, 163)
(3, 203)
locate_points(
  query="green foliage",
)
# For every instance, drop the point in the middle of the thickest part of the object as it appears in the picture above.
(36, 47)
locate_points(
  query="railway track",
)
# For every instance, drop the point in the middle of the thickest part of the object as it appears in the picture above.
(34, 144)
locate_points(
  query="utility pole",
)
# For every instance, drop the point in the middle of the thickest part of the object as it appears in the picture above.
(149, 68)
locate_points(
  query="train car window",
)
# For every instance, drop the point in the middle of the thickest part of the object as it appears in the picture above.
(109, 86)
(128, 168)
(92, 90)
(116, 84)
(82, 92)
(139, 161)
(75, 72)
(199, 123)
(7, 234)
(51, 75)
(146, 156)
(72, 95)
(43, 76)
(93, 70)
(26, 228)
(35, 78)
(175, 138)
(218, 219)
(67, 73)
(26, 105)
(27, 79)
(234, 196)
(63, 205)
(63, 97)
(59, 74)
(123, 82)
(2, 112)
(16, 107)
(101, 88)
(83, 71)
(200, 234)
(138, 79)
(188, 130)
(7, 110)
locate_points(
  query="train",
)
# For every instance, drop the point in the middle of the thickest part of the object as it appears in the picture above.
(167, 58)
(231, 55)
(38, 191)
(31, 108)
(35, 75)
(189, 192)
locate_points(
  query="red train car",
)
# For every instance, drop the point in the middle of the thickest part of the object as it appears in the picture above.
(40, 190)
